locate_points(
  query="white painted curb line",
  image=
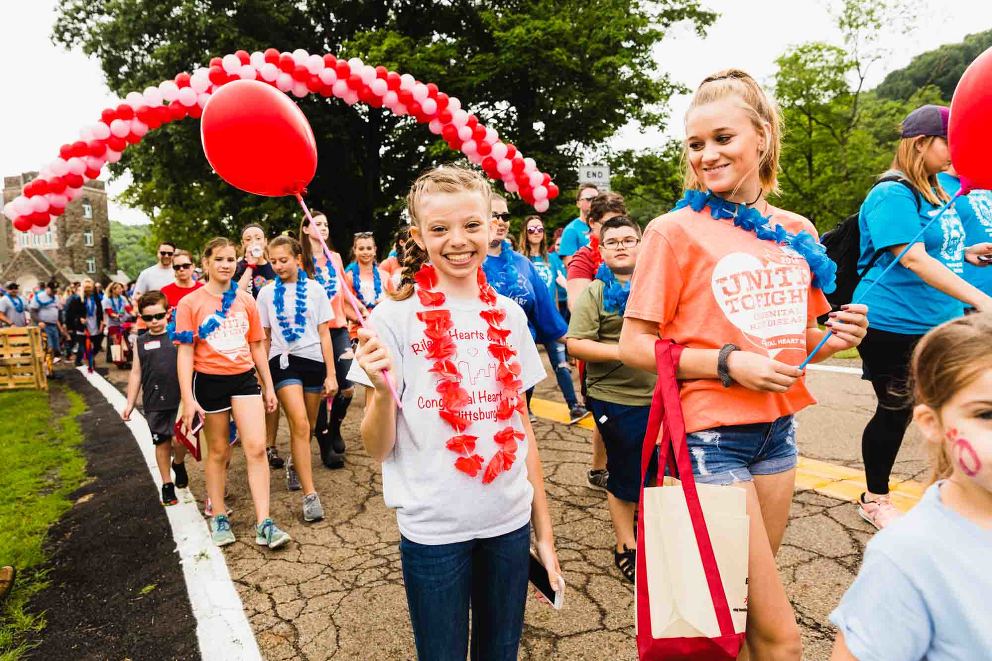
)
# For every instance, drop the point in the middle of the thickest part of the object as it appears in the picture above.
(835, 368)
(222, 629)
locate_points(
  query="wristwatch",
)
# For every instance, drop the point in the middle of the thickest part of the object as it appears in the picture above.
(721, 364)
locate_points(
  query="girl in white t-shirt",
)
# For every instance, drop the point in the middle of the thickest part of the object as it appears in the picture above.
(459, 460)
(294, 311)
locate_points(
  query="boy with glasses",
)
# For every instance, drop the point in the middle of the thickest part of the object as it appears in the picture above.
(154, 374)
(182, 267)
(576, 234)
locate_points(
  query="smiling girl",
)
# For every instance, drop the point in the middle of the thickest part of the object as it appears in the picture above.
(459, 460)
(363, 276)
(739, 283)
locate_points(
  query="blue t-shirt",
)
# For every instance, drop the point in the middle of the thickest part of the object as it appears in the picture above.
(923, 590)
(531, 294)
(549, 269)
(975, 210)
(575, 236)
(902, 302)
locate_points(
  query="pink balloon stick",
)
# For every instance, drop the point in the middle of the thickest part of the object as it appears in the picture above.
(347, 292)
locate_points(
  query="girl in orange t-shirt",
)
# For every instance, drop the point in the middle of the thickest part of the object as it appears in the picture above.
(221, 345)
(739, 284)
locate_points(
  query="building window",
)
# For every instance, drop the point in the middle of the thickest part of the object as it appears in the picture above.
(87, 210)
(87, 238)
(91, 265)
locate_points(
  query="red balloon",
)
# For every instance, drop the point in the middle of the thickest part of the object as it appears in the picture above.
(108, 115)
(432, 90)
(65, 151)
(444, 116)
(217, 76)
(381, 72)
(91, 173)
(73, 180)
(195, 112)
(330, 61)
(23, 224)
(484, 148)
(968, 128)
(478, 133)
(56, 186)
(40, 186)
(79, 149)
(342, 69)
(552, 191)
(511, 151)
(216, 62)
(115, 143)
(182, 79)
(271, 56)
(300, 73)
(286, 63)
(392, 80)
(442, 101)
(56, 211)
(518, 164)
(449, 132)
(243, 56)
(96, 148)
(258, 140)
(124, 111)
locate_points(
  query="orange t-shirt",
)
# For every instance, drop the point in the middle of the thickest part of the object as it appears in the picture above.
(226, 350)
(707, 283)
(337, 301)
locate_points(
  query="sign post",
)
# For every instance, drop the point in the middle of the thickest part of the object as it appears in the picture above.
(598, 173)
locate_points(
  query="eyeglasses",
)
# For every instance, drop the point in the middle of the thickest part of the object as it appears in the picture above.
(166, 253)
(535, 230)
(154, 317)
(179, 267)
(505, 217)
(364, 235)
(627, 243)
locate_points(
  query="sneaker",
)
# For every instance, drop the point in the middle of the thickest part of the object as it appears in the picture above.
(268, 534)
(220, 530)
(56, 360)
(208, 509)
(182, 479)
(533, 419)
(275, 461)
(879, 512)
(292, 479)
(576, 413)
(169, 494)
(312, 509)
(597, 478)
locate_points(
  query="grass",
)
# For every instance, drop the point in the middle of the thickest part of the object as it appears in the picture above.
(42, 464)
(848, 354)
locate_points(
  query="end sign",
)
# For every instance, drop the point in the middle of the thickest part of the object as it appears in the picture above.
(598, 174)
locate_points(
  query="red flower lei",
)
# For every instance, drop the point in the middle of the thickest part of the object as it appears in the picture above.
(454, 398)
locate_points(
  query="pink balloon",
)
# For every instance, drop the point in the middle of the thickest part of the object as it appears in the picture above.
(541, 206)
(499, 151)
(340, 89)
(39, 204)
(39, 229)
(269, 72)
(113, 156)
(464, 133)
(429, 106)
(77, 165)
(379, 87)
(246, 72)
(505, 165)
(119, 128)
(469, 148)
(540, 193)
(511, 186)
(101, 131)
(327, 76)
(435, 126)
(284, 82)
(187, 97)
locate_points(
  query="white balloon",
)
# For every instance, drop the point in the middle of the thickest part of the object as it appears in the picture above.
(77, 165)
(459, 117)
(119, 128)
(300, 89)
(169, 90)
(379, 87)
(138, 127)
(540, 192)
(390, 99)
(491, 135)
(247, 72)
(541, 205)
(351, 98)
(464, 133)
(86, 133)
(257, 59)
(57, 200)
(101, 131)
(269, 72)
(187, 97)
(94, 163)
(339, 89)
(300, 56)
(201, 99)
(22, 205)
(284, 82)
(113, 156)
(435, 126)
(328, 76)
(355, 64)
(135, 99)
(476, 158)
(536, 178)
(499, 151)
(469, 148)
(231, 63)
(199, 83)
(407, 82)
(367, 74)
(153, 97)
(429, 106)
(59, 167)
(530, 164)
(454, 105)
(39, 204)
(9, 211)
(419, 92)
(315, 64)
(504, 165)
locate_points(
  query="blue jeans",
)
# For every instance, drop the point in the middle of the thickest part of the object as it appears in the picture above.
(559, 363)
(736, 453)
(54, 339)
(442, 580)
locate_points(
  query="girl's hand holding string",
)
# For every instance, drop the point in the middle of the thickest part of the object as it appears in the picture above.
(757, 372)
(373, 357)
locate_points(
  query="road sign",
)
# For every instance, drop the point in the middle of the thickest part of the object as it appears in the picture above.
(598, 174)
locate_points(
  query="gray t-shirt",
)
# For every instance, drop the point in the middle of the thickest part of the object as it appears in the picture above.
(154, 278)
(318, 312)
(9, 309)
(45, 307)
(435, 502)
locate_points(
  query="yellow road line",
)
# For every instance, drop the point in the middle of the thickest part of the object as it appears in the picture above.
(828, 479)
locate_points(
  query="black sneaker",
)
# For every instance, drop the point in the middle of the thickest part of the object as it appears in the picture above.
(182, 479)
(597, 478)
(275, 461)
(576, 413)
(169, 494)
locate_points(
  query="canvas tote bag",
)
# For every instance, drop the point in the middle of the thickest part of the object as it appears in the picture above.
(692, 544)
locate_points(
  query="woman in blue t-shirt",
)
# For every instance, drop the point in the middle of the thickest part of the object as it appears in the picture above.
(925, 289)
(975, 211)
(552, 273)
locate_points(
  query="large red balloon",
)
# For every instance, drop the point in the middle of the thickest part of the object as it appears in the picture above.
(258, 140)
(969, 130)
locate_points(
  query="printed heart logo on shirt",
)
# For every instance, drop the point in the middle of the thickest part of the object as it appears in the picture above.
(766, 300)
(229, 340)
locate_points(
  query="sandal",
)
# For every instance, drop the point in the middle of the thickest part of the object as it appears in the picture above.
(626, 562)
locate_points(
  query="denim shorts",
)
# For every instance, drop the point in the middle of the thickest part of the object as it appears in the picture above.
(736, 453)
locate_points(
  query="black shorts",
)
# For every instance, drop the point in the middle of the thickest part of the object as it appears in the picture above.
(300, 372)
(214, 392)
(160, 424)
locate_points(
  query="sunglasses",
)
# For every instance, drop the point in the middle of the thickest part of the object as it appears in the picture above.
(588, 198)
(166, 253)
(535, 230)
(179, 267)
(154, 317)
(505, 217)
(363, 235)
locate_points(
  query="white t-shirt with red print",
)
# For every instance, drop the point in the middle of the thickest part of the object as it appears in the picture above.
(435, 502)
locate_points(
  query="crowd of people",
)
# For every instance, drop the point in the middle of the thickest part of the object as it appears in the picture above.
(443, 333)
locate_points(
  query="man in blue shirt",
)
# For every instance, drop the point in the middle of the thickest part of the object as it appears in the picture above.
(576, 234)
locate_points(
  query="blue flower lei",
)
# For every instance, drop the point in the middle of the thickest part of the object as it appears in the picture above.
(615, 293)
(823, 269)
(16, 302)
(330, 283)
(116, 304)
(502, 274)
(211, 324)
(90, 302)
(293, 332)
(41, 303)
(356, 281)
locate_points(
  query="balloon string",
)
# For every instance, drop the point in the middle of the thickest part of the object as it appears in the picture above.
(902, 253)
(315, 233)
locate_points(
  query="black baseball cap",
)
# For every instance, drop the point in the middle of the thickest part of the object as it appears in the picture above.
(926, 120)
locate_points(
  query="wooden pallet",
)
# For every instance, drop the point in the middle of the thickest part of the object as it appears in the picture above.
(22, 359)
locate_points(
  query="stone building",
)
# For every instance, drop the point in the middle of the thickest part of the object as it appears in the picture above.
(76, 246)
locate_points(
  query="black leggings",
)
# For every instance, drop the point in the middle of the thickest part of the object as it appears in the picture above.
(886, 364)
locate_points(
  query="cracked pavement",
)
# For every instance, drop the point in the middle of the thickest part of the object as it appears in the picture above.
(336, 592)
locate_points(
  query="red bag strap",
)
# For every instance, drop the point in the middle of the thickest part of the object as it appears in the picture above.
(666, 420)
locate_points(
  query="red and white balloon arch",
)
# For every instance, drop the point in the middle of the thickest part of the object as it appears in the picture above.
(299, 73)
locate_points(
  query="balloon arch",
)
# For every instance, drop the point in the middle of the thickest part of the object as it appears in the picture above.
(299, 73)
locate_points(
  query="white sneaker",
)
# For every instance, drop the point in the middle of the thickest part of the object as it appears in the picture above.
(879, 512)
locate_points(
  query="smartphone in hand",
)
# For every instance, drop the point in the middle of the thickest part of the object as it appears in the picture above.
(197, 424)
(539, 578)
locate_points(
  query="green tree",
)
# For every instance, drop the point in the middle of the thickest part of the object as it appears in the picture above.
(554, 77)
(941, 67)
(650, 180)
(132, 244)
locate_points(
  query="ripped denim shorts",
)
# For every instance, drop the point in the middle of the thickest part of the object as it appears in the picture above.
(736, 453)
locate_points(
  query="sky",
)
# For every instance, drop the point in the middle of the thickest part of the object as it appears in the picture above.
(49, 93)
